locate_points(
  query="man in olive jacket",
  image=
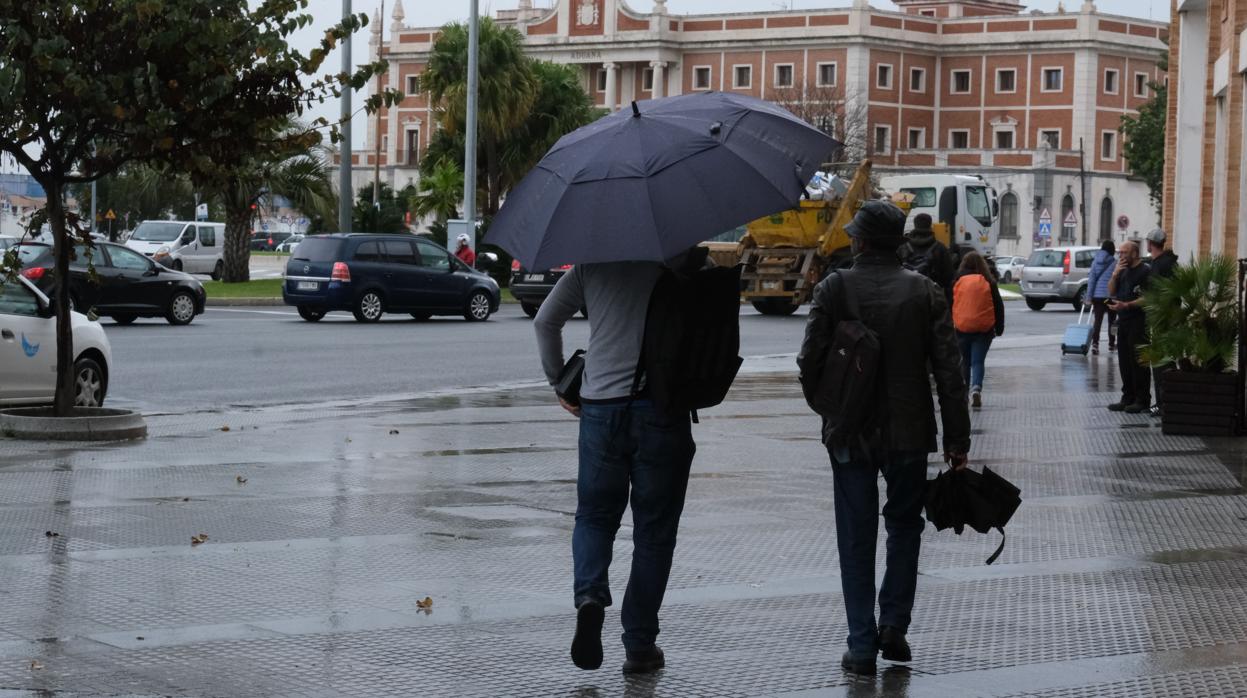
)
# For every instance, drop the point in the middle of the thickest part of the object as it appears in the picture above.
(909, 314)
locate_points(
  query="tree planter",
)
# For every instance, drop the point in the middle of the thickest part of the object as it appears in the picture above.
(1200, 404)
(84, 424)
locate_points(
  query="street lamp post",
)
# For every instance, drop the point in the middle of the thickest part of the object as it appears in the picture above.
(346, 193)
(469, 150)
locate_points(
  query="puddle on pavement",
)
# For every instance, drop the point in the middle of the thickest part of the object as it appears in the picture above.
(492, 451)
(1177, 557)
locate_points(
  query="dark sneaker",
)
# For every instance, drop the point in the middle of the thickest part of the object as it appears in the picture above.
(644, 661)
(1136, 408)
(1156, 411)
(587, 643)
(1118, 406)
(893, 645)
(976, 399)
(858, 664)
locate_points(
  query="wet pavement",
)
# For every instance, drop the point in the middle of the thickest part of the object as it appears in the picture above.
(328, 525)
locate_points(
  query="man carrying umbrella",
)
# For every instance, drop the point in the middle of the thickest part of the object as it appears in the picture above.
(908, 315)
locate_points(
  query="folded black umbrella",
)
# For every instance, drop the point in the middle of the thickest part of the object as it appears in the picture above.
(982, 501)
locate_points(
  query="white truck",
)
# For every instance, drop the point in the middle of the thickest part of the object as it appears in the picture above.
(967, 205)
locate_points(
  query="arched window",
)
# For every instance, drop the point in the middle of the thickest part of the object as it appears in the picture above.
(1009, 216)
(1106, 219)
(1067, 207)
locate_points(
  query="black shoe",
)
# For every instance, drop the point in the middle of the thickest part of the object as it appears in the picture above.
(587, 643)
(644, 661)
(893, 645)
(1119, 406)
(857, 664)
(1136, 408)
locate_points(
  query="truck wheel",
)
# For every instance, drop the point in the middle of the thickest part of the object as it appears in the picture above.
(1035, 304)
(775, 306)
(218, 271)
(529, 309)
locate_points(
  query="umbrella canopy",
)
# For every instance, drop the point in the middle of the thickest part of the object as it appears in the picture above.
(960, 498)
(646, 183)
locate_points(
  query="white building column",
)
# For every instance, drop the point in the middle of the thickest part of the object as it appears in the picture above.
(612, 84)
(1189, 89)
(660, 78)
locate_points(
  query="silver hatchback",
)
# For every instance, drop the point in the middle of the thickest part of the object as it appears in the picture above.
(1057, 274)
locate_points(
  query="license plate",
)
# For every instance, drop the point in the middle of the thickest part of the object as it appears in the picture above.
(307, 286)
(535, 277)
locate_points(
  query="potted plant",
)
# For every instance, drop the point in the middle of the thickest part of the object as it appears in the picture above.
(1192, 320)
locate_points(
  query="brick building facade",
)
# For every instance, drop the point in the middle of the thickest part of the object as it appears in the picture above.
(1207, 124)
(962, 86)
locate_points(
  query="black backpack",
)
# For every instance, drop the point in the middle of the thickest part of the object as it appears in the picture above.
(922, 262)
(691, 351)
(845, 386)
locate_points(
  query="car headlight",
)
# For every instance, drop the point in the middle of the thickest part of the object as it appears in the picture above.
(162, 251)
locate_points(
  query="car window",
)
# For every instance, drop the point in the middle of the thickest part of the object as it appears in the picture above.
(923, 196)
(369, 251)
(16, 299)
(314, 249)
(125, 258)
(977, 205)
(207, 236)
(1083, 259)
(432, 256)
(157, 231)
(400, 252)
(1046, 258)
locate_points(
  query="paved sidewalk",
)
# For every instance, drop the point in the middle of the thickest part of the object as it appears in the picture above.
(1123, 574)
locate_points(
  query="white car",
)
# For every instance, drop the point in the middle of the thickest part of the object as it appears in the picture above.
(192, 247)
(28, 350)
(1009, 269)
(290, 243)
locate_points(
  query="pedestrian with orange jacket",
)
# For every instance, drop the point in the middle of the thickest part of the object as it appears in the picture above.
(978, 318)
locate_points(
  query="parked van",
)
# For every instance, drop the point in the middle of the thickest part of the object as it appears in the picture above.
(195, 248)
(967, 205)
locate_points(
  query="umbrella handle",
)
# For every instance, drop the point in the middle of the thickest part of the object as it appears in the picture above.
(1000, 548)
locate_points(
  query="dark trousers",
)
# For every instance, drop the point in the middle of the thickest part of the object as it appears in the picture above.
(1136, 378)
(1099, 308)
(856, 482)
(974, 346)
(633, 448)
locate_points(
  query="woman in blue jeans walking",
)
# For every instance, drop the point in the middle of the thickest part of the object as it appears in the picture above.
(978, 317)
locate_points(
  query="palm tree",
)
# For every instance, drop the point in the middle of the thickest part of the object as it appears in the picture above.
(440, 193)
(506, 90)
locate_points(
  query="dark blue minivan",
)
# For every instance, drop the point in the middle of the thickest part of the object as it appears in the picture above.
(370, 275)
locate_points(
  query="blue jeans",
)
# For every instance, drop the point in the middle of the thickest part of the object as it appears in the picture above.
(630, 447)
(974, 348)
(856, 482)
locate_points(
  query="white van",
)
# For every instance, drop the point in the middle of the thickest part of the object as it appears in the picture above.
(968, 205)
(195, 248)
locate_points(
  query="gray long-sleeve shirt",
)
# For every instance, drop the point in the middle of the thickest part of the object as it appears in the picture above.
(617, 297)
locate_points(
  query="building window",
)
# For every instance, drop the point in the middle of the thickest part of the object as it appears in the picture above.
(1006, 80)
(826, 123)
(385, 143)
(961, 82)
(1004, 139)
(1053, 79)
(742, 77)
(1106, 218)
(1140, 84)
(959, 139)
(701, 77)
(1067, 207)
(412, 155)
(917, 80)
(1110, 81)
(883, 140)
(1108, 145)
(883, 76)
(1009, 216)
(647, 80)
(783, 75)
(601, 80)
(413, 84)
(826, 75)
(927, 13)
(917, 138)
(1052, 137)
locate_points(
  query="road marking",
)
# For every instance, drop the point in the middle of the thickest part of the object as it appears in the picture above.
(241, 310)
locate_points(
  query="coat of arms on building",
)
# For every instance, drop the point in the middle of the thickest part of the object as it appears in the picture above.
(587, 13)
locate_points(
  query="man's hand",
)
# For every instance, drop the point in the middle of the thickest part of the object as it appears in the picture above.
(956, 461)
(573, 409)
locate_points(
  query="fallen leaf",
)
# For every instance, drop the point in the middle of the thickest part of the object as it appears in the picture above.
(393, 432)
(140, 637)
(196, 540)
(186, 499)
(348, 440)
(51, 534)
(241, 480)
(225, 428)
(35, 665)
(427, 603)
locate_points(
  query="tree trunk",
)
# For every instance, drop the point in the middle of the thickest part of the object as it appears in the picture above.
(237, 244)
(62, 244)
(493, 177)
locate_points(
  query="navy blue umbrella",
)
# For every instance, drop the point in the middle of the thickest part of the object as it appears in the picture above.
(649, 182)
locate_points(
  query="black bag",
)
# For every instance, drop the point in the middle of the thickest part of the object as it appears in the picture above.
(847, 390)
(691, 351)
(922, 262)
(570, 378)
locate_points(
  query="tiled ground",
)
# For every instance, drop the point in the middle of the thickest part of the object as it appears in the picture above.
(1124, 573)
